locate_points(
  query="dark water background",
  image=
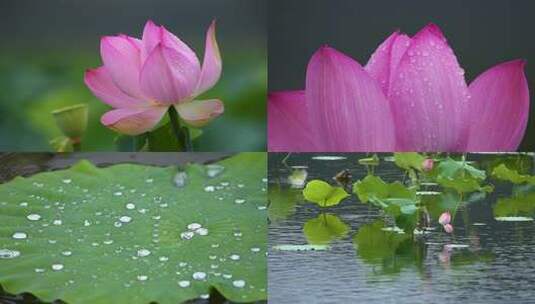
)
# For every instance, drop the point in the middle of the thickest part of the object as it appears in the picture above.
(497, 267)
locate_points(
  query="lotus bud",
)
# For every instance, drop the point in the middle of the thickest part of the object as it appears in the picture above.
(427, 164)
(445, 218)
(72, 121)
(448, 228)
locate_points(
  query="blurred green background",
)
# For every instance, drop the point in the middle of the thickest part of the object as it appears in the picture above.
(51, 43)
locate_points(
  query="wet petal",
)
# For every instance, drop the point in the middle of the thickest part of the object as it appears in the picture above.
(198, 113)
(347, 109)
(499, 108)
(100, 83)
(133, 121)
(167, 76)
(429, 96)
(288, 126)
(211, 66)
(121, 57)
(384, 61)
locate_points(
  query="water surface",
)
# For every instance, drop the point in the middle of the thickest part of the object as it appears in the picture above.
(497, 266)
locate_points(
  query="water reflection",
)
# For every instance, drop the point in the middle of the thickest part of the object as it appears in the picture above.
(372, 260)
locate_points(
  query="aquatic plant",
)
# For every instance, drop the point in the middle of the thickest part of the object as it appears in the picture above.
(410, 96)
(144, 79)
(137, 234)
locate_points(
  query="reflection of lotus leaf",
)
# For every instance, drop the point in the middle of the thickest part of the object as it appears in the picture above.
(282, 202)
(515, 206)
(323, 194)
(324, 229)
(504, 173)
(392, 250)
(127, 234)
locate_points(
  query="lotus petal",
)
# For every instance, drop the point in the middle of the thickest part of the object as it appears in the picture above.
(429, 96)
(100, 83)
(198, 113)
(212, 65)
(499, 108)
(133, 121)
(347, 108)
(288, 126)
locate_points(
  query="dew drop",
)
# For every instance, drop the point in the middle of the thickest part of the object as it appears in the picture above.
(9, 254)
(214, 170)
(194, 226)
(87, 223)
(209, 189)
(184, 284)
(149, 180)
(202, 231)
(66, 253)
(199, 275)
(234, 257)
(143, 252)
(239, 201)
(205, 296)
(118, 193)
(57, 222)
(57, 267)
(163, 259)
(187, 235)
(142, 277)
(19, 235)
(39, 270)
(67, 181)
(181, 179)
(255, 249)
(34, 217)
(125, 219)
(130, 206)
(239, 283)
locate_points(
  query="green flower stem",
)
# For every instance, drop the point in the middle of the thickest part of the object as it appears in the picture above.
(76, 146)
(181, 133)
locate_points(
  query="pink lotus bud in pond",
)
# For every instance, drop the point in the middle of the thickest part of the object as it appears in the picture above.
(427, 164)
(448, 228)
(142, 78)
(445, 218)
(385, 104)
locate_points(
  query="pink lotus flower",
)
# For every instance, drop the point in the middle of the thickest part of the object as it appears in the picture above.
(141, 79)
(410, 96)
(444, 219)
(427, 164)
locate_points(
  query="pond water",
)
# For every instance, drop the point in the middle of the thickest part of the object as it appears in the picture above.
(368, 265)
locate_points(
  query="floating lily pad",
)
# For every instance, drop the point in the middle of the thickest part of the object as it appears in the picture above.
(127, 234)
(514, 219)
(324, 229)
(461, 176)
(302, 247)
(323, 194)
(523, 206)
